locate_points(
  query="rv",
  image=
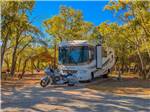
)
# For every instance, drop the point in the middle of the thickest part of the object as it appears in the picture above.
(87, 61)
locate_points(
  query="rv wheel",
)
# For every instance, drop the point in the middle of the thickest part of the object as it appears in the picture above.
(105, 76)
(70, 84)
(108, 71)
(92, 76)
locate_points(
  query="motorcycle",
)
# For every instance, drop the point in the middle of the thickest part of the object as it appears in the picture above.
(54, 77)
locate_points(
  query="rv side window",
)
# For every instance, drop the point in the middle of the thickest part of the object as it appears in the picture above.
(91, 53)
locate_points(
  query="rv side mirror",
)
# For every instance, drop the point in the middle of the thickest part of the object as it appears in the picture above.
(98, 56)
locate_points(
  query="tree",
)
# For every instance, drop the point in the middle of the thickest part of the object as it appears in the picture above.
(18, 32)
(67, 25)
(113, 37)
(9, 17)
(135, 28)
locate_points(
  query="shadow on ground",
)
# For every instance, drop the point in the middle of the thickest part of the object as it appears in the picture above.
(124, 86)
(70, 99)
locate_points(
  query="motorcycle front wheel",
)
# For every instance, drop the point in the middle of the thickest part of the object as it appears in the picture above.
(44, 82)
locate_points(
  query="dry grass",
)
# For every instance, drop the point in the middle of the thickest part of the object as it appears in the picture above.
(27, 80)
(129, 84)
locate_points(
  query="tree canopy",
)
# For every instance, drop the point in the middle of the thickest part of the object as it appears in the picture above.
(23, 42)
(68, 25)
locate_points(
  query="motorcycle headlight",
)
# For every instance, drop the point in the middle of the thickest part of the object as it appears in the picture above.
(61, 72)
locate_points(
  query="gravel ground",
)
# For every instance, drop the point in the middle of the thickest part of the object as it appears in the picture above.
(70, 99)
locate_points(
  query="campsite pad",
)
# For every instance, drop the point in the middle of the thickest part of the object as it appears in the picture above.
(82, 98)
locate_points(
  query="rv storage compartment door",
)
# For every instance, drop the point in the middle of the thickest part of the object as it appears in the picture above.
(98, 56)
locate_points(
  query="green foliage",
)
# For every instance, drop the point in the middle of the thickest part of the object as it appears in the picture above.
(68, 25)
(21, 40)
(19, 36)
(132, 39)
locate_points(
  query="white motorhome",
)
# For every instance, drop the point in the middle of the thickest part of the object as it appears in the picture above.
(84, 59)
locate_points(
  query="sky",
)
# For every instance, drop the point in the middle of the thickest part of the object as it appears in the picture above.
(93, 11)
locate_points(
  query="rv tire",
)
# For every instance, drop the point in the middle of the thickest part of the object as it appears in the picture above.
(92, 76)
(105, 76)
(71, 84)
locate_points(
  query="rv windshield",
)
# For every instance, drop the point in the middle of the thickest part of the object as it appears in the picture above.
(74, 55)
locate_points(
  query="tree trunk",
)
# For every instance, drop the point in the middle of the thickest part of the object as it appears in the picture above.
(148, 50)
(19, 62)
(32, 69)
(142, 71)
(55, 49)
(122, 61)
(122, 66)
(4, 44)
(38, 64)
(14, 59)
(129, 68)
(7, 63)
(115, 68)
(23, 70)
(119, 74)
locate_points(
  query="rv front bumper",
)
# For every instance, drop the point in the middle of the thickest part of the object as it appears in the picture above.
(82, 75)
